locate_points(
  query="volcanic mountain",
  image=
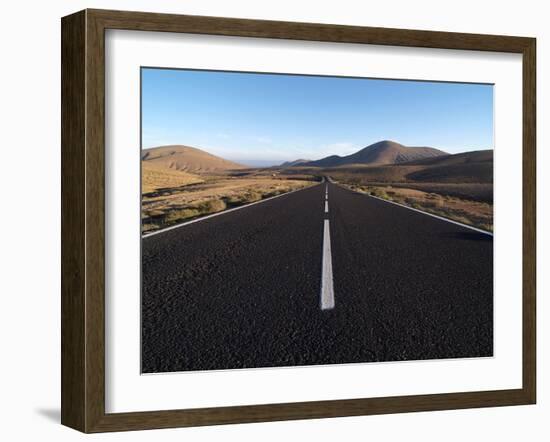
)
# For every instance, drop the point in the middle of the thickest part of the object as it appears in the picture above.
(383, 152)
(186, 159)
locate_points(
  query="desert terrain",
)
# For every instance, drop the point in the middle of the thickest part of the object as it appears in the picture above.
(181, 183)
(458, 187)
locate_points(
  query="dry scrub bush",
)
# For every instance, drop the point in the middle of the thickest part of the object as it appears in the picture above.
(211, 206)
(177, 215)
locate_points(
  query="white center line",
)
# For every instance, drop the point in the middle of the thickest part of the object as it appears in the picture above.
(327, 288)
(326, 206)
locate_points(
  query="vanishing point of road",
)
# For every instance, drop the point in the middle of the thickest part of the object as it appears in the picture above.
(318, 276)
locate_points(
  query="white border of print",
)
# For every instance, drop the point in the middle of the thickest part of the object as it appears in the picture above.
(127, 390)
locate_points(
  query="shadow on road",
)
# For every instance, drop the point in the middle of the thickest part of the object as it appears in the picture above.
(469, 236)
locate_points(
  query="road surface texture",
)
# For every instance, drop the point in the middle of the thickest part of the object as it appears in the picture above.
(319, 276)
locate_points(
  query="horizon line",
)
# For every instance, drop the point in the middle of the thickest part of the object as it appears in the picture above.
(282, 160)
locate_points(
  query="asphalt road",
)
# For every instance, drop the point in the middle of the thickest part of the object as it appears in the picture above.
(244, 289)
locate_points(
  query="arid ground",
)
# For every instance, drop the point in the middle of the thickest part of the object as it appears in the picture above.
(175, 189)
(181, 183)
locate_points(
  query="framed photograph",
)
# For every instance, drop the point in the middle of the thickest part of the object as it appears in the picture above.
(270, 220)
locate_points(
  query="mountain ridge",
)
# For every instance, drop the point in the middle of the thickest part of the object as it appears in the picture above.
(382, 152)
(186, 159)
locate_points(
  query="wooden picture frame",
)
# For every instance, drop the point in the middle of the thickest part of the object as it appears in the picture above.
(83, 219)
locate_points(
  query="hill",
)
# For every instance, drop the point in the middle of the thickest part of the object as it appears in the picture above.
(383, 152)
(186, 159)
(156, 177)
(477, 156)
(468, 167)
(294, 163)
(467, 175)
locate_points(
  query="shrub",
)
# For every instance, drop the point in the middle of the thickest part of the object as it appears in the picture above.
(460, 219)
(274, 192)
(211, 206)
(178, 215)
(148, 227)
(380, 193)
(234, 200)
(251, 197)
(152, 213)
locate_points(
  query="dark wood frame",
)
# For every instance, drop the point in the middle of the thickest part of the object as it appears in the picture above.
(83, 216)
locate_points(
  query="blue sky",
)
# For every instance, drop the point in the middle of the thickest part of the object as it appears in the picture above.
(264, 119)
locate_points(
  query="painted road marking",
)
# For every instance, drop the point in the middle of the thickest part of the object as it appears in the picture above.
(223, 212)
(327, 287)
(326, 206)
